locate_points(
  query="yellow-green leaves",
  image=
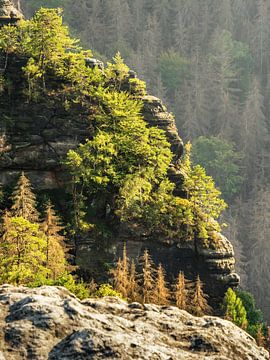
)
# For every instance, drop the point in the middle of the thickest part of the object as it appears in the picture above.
(22, 252)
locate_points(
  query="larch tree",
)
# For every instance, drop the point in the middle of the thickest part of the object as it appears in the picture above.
(24, 200)
(22, 249)
(55, 247)
(148, 280)
(133, 290)
(120, 274)
(181, 292)
(199, 300)
(161, 293)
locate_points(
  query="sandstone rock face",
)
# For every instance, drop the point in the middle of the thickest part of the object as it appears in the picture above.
(50, 323)
(216, 265)
(35, 138)
(7, 9)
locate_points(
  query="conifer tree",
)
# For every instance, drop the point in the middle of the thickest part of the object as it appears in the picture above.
(22, 250)
(199, 302)
(161, 293)
(133, 291)
(181, 292)
(55, 248)
(121, 275)
(148, 283)
(24, 200)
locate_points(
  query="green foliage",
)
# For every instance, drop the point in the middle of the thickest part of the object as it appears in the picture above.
(9, 39)
(77, 288)
(221, 161)
(157, 209)
(125, 162)
(254, 315)
(33, 254)
(107, 290)
(137, 87)
(117, 71)
(203, 196)
(234, 309)
(173, 69)
(22, 252)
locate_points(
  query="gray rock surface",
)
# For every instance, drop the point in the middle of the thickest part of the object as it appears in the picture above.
(50, 323)
(7, 9)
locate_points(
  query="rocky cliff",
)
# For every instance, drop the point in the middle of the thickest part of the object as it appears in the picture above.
(35, 137)
(50, 323)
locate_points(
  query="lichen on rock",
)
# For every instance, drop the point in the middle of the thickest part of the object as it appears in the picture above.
(50, 323)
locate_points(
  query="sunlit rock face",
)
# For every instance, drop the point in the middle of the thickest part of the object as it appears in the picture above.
(50, 323)
(9, 13)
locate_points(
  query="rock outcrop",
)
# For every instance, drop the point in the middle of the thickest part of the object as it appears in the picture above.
(50, 323)
(8, 11)
(35, 137)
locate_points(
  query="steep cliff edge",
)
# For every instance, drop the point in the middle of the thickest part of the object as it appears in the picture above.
(50, 323)
(35, 137)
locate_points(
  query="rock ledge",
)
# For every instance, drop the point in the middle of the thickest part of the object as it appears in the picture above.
(50, 323)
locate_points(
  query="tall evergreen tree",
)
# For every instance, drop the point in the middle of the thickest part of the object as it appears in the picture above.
(55, 247)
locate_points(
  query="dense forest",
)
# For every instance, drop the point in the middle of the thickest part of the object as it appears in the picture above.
(209, 61)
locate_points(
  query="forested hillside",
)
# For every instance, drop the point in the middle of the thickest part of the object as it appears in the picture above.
(209, 60)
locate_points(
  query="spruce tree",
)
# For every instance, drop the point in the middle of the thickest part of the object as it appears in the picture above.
(148, 283)
(181, 292)
(24, 200)
(55, 248)
(199, 302)
(161, 293)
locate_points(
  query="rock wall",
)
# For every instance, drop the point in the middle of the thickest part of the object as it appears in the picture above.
(50, 323)
(36, 137)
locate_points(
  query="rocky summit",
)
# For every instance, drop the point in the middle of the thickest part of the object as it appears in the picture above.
(50, 323)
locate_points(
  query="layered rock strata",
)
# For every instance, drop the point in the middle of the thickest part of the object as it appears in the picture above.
(36, 137)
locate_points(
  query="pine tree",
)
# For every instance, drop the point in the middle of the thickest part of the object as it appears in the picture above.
(55, 248)
(199, 302)
(24, 200)
(181, 293)
(148, 283)
(161, 293)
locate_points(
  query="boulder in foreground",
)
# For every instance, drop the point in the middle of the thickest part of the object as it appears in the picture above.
(50, 323)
